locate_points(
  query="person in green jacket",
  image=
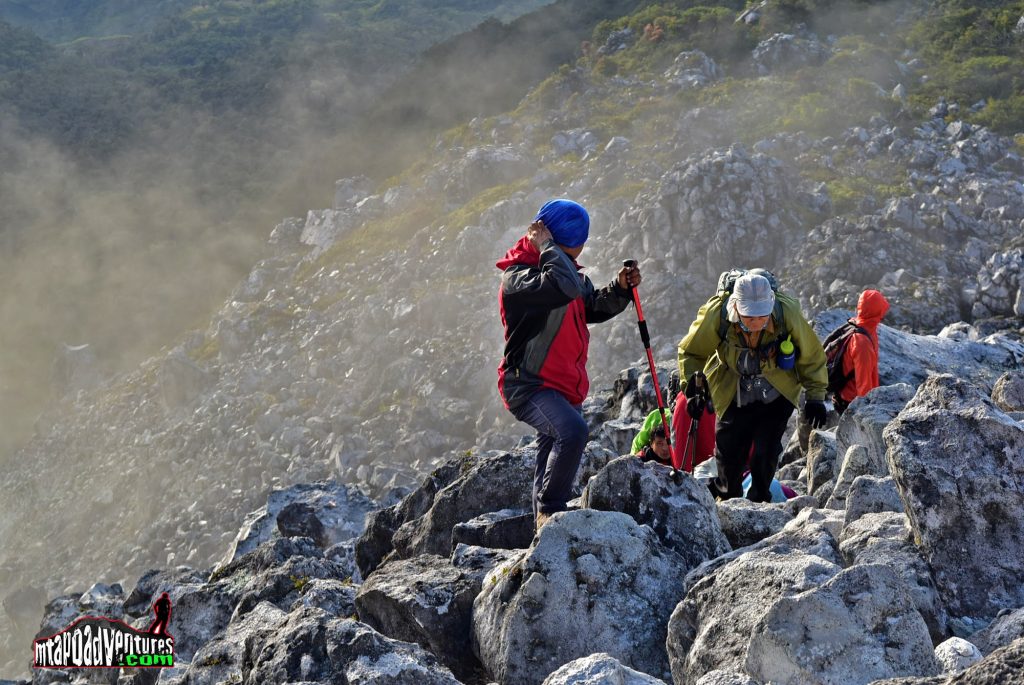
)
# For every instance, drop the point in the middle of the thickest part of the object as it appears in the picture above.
(757, 384)
(650, 443)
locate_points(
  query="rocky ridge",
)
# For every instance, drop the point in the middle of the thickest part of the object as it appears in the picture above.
(640, 585)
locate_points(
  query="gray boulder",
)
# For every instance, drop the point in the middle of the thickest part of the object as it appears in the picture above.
(483, 485)
(859, 626)
(692, 69)
(784, 52)
(863, 422)
(821, 460)
(885, 539)
(745, 522)
(222, 658)
(456, 492)
(505, 529)
(957, 461)
(336, 597)
(327, 511)
(594, 581)
(711, 628)
(855, 463)
(425, 600)
(717, 677)
(956, 654)
(313, 647)
(678, 508)
(1008, 393)
(871, 495)
(599, 669)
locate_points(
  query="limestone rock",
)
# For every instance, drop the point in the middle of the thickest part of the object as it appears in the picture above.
(871, 495)
(745, 522)
(599, 669)
(311, 646)
(425, 600)
(679, 510)
(859, 626)
(717, 677)
(885, 538)
(958, 462)
(332, 512)
(956, 655)
(821, 459)
(505, 529)
(483, 485)
(594, 581)
(711, 628)
(1008, 393)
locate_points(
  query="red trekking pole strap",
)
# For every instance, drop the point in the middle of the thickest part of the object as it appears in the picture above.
(645, 336)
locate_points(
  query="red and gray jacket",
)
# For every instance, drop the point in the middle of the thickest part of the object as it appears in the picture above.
(546, 304)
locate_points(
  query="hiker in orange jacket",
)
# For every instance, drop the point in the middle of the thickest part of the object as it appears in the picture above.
(860, 361)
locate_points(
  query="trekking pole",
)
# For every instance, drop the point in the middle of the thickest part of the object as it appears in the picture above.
(646, 337)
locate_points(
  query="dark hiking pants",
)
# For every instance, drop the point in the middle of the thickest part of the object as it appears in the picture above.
(737, 428)
(561, 437)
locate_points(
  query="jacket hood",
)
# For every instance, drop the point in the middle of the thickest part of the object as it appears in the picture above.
(871, 307)
(523, 252)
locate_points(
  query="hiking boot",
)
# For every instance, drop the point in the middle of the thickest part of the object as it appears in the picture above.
(542, 518)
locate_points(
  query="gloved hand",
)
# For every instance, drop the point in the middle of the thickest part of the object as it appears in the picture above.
(695, 407)
(696, 398)
(815, 413)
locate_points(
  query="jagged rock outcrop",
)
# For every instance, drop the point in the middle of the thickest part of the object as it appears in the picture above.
(785, 52)
(312, 646)
(459, 491)
(678, 508)
(326, 511)
(957, 461)
(692, 69)
(859, 626)
(593, 582)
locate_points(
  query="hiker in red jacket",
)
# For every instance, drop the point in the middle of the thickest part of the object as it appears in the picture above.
(546, 304)
(860, 361)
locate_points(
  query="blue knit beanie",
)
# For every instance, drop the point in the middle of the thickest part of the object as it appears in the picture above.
(568, 222)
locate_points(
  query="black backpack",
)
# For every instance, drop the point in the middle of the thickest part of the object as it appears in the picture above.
(835, 348)
(727, 281)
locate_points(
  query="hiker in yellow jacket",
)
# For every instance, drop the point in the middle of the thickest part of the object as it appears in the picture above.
(757, 351)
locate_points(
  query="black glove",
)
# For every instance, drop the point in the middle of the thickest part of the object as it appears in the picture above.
(696, 398)
(695, 407)
(815, 413)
